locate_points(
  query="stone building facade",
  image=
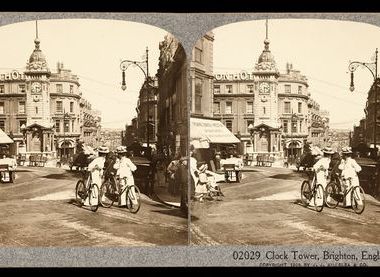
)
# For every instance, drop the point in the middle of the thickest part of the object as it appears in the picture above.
(172, 98)
(269, 111)
(41, 109)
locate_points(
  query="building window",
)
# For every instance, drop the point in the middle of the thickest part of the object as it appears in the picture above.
(285, 125)
(1, 107)
(57, 126)
(2, 89)
(59, 88)
(71, 107)
(59, 107)
(198, 95)
(217, 89)
(36, 110)
(250, 88)
(264, 110)
(66, 126)
(216, 107)
(300, 126)
(249, 122)
(286, 107)
(299, 107)
(229, 125)
(249, 107)
(2, 125)
(288, 89)
(21, 88)
(299, 89)
(71, 89)
(21, 122)
(229, 88)
(198, 51)
(72, 126)
(294, 127)
(21, 107)
(228, 107)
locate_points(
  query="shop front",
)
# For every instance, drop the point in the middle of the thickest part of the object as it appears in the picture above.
(212, 141)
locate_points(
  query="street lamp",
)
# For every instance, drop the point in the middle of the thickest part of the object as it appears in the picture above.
(250, 130)
(124, 66)
(372, 67)
(65, 115)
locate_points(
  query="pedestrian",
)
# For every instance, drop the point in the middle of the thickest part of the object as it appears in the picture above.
(193, 173)
(350, 169)
(125, 168)
(96, 169)
(181, 179)
(171, 169)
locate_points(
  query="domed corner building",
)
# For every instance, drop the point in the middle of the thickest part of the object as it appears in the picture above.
(268, 109)
(41, 110)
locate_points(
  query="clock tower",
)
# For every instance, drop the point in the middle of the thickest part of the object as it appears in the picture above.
(266, 127)
(39, 126)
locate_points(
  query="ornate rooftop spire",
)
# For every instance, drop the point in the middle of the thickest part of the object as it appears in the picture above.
(266, 60)
(37, 61)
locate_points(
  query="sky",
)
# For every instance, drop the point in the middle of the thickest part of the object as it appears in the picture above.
(320, 49)
(93, 50)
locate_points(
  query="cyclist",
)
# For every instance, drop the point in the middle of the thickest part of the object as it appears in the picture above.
(350, 170)
(321, 168)
(96, 167)
(125, 167)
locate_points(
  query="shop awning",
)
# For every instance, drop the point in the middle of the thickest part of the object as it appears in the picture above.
(211, 131)
(4, 139)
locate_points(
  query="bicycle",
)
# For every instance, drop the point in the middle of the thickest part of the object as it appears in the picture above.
(335, 194)
(86, 189)
(315, 192)
(111, 191)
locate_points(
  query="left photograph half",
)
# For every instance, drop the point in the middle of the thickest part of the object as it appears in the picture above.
(93, 135)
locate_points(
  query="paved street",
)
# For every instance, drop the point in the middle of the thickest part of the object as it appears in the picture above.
(265, 209)
(39, 210)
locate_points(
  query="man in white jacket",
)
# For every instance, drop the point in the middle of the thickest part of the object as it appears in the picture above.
(350, 169)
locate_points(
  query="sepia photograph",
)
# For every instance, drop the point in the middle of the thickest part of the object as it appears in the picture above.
(93, 135)
(285, 134)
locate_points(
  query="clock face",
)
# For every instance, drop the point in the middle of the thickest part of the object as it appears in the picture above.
(36, 87)
(264, 87)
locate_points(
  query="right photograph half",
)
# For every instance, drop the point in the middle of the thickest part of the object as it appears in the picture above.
(285, 134)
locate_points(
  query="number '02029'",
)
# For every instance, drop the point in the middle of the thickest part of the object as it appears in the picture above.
(246, 255)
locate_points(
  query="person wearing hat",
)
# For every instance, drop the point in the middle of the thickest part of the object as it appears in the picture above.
(125, 168)
(321, 167)
(350, 169)
(96, 167)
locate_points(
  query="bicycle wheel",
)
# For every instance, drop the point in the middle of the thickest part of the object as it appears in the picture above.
(107, 194)
(306, 193)
(358, 199)
(332, 195)
(319, 198)
(133, 199)
(93, 198)
(80, 192)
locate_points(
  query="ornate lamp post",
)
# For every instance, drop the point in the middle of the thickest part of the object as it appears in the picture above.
(372, 67)
(124, 65)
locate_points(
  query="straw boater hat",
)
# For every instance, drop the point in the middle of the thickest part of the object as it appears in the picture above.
(328, 150)
(121, 149)
(347, 150)
(103, 149)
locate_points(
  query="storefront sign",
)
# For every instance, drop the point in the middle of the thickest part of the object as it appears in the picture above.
(243, 75)
(12, 76)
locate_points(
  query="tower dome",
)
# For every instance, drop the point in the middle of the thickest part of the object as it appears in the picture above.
(37, 61)
(266, 62)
